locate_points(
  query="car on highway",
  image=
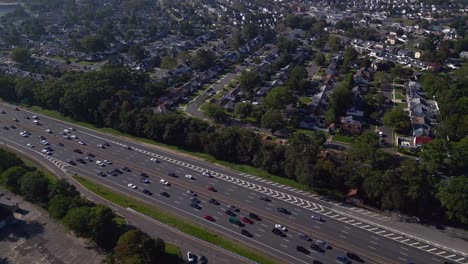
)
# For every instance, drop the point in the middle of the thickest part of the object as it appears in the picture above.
(131, 185)
(45, 142)
(3, 112)
(12, 127)
(278, 232)
(78, 151)
(112, 172)
(71, 129)
(246, 233)
(101, 146)
(281, 227)
(196, 206)
(147, 192)
(6, 128)
(254, 217)
(144, 175)
(99, 163)
(317, 248)
(49, 131)
(60, 144)
(163, 182)
(91, 155)
(304, 237)
(100, 173)
(302, 249)
(81, 161)
(108, 162)
(29, 145)
(127, 169)
(71, 162)
(202, 259)
(154, 160)
(264, 198)
(15, 120)
(233, 208)
(317, 218)
(191, 257)
(189, 176)
(128, 147)
(354, 256)
(247, 220)
(194, 200)
(165, 194)
(35, 122)
(322, 244)
(283, 210)
(213, 201)
(144, 180)
(172, 174)
(27, 117)
(343, 259)
(81, 143)
(66, 131)
(66, 137)
(209, 218)
(211, 188)
(207, 174)
(235, 221)
(229, 212)
(35, 117)
(191, 193)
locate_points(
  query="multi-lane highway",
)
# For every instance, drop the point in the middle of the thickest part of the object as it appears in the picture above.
(345, 232)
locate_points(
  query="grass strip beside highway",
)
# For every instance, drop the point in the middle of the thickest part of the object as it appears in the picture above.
(171, 220)
(238, 167)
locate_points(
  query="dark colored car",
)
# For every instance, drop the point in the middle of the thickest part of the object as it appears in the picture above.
(107, 144)
(212, 189)
(283, 210)
(246, 233)
(246, 220)
(302, 249)
(213, 201)
(229, 212)
(81, 161)
(255, 217)
(147, 192)
(172, 174)
(354, 256)
(127, 169)
(164, 194)
(144, 180)
(202, 259)
(317, 262)
(144, 175)
(91, 155)
(60, 144)
(196, 206)
(278, 232)
(195, 200)
(343, 259)
(264, 198)
(317, 248)
(118, 171)
(78, 151)
(305, 237)
(71, 162)
(102, 174)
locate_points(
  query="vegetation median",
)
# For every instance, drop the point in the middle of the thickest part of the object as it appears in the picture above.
(172, 220)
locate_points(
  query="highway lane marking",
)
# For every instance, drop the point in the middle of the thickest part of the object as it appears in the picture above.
(372, 229)
(261, 230)
(257, 235)
(460, 259)
(380, 232)
(404, 240)
(342, 231)
(432, 249)
(373, 237)
(402, 259)
(264, 225)
(373, 242)
(372, 247)
(403, 253)
(395, 238)
(451, 256)
(316, 226)
(177, 202)
(292, 217)
(248, 201)
(414, 244)
(219, 213)
(342, 236)
(387, 235)
(425, 246)
(440, 253)
(436, 260)
(347, 227)
(286, 240)
(268, 208)
(283, 245)
(404, 248)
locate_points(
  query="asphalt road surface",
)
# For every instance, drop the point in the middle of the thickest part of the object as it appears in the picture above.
(344, 231)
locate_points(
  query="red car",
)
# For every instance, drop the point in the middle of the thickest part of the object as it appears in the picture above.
(212, 189)
(209, 218)
(246, 220)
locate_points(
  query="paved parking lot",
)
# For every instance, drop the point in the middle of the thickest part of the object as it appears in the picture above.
(36, 238)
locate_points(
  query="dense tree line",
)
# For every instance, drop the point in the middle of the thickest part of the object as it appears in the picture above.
(84, 218)
(118, 98)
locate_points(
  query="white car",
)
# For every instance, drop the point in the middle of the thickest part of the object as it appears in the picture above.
(45, 142)
(207, 174)
(36, 122)
(35, 117)
(188, 176)
(163, 182)
(29, 145)
(154, 160)
(190, 257)
(100, 146)
(131, 185)
(73, 136)
(81, 143)
(281, 227)
(98, 162)
(48, 131)
(71, 129)
(108, 162)
(322, 243)
(66, 131)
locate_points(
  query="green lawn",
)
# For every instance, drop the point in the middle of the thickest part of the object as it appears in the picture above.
(305, 100)
(343, 139)
(173, 254)
(401, 105)
(399, 96)
(172, 220)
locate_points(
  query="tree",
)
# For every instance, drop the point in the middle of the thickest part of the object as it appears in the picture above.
(349, 56)
(59, 206)
(135, 245)
(215, 112)
(21, 55)
(63, 188)
(203, 59)
(248, 81)
(243, 110)
(93, 44)
(272, 119)
(105, 230)
(381, 77)
(8, 160)
(137, 52)
(249, 31)
(297, 80)
(319, 59)
(365, 148)
(278, 97)
(186, 28)
(454, 198)
(11, 178)
(398, 119)
(459, 156)
(35, 187)
(79, 220)
(340, 100)
(434, 154)
(334, 43)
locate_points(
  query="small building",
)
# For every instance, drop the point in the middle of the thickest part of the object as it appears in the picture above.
(421, 140)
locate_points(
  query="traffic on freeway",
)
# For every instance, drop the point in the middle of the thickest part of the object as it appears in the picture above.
(269, 219)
